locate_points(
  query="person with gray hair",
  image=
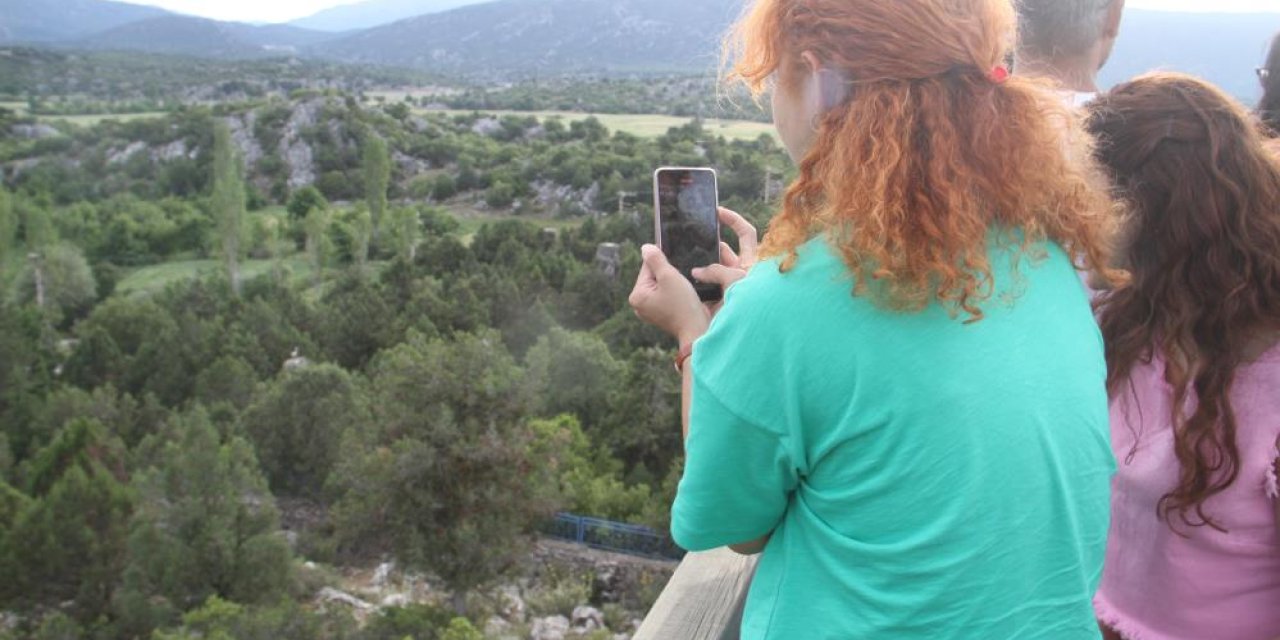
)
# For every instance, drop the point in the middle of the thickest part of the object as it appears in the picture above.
(1067, 41)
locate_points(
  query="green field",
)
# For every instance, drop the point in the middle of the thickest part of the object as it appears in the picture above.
(155, 278)
(644, 126)
(89, 121)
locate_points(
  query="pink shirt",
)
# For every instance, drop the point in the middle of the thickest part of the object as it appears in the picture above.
(1158, 585)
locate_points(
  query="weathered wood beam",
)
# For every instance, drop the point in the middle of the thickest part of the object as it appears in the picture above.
(703, 600)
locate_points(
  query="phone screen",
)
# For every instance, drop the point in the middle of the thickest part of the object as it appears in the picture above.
(688, 225)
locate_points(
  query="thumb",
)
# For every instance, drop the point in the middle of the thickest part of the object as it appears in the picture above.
(655, 260)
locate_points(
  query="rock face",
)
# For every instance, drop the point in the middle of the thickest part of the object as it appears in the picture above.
(242, 136)
(34, 131)
(609, 259)
(295, 151)
(550, 628)
(587, 619)
(329, 594)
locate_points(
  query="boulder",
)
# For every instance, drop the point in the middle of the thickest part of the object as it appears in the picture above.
(550, 628)
(329, 594)
(587, 619)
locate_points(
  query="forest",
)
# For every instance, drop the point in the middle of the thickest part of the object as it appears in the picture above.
(249, 348)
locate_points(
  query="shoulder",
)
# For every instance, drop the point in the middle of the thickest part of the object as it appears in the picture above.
(769, 286)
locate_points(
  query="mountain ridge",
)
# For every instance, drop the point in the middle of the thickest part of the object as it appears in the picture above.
(375, 13)
(45, 21)
(201, 37)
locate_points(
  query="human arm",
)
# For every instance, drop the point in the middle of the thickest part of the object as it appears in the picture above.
(739, 474)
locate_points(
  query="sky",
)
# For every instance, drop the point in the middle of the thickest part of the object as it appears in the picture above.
(285, 10)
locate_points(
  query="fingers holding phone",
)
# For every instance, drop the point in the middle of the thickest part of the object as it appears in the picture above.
(748, 241)
(664, 298)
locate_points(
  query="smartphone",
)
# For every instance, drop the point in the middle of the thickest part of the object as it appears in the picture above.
(686, 222)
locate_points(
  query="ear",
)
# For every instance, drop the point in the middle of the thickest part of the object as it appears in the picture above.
(811, 62)
(1111, 29)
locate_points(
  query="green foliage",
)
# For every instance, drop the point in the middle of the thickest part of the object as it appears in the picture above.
(643, 425)
(559, 591)
(304, 201)
(297, 426)
(58, 626)
(419, 621)
(447, 481)
(357, 323)
(219, 619)
(67, 543)
(590, 479)
(228, 200)
(406, 232)
(572, 373)
(229, 379)
(377, 176)
(461, 629)
(362, 230)
(8, 229)
(68, 283)
(205, 525)
(318, 244)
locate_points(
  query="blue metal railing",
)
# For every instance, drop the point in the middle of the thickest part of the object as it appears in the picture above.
(613, 536)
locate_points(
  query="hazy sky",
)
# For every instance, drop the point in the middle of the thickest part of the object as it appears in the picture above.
(284, 10)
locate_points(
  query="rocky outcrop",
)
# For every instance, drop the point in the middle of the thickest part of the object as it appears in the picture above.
(296, 152)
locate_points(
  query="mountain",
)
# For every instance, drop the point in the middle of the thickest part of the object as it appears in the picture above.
(524, 37)
(1221, 47)
(34, 21)
(185, 35)
(373, 13)
(549, 36)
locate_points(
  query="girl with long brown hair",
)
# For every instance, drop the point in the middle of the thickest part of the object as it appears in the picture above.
(903, 404)
(1193, 366)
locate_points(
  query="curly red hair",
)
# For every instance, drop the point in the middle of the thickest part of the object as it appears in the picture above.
(928, 155)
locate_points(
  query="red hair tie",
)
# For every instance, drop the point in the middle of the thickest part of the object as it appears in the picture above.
(999, 75)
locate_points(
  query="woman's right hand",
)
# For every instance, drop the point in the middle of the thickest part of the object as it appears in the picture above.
(733, 266)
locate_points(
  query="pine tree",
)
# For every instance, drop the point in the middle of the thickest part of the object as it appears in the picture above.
(205, 525)
(67, 541)
(228, 200)
(449, 482)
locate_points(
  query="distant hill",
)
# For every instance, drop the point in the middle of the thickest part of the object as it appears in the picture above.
(33, 21)
(549, 36)
(1221, 47)
(538, 38)
(184, 35)
(373, 13)
(524, 37)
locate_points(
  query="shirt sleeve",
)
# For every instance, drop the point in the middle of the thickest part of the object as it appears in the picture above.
(737, 478)
(739, 458)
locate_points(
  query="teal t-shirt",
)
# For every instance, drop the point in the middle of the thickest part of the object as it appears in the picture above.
(922, 477)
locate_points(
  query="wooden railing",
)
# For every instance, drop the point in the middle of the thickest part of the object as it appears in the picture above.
(703, 600)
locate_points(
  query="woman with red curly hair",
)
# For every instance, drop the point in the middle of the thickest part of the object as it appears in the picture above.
(1193, 355)
(903, 404)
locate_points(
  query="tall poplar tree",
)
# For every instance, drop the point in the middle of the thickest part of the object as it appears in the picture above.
(377, 178)
(228, 201)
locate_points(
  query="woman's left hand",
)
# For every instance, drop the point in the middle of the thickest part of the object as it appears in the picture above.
(665, 299)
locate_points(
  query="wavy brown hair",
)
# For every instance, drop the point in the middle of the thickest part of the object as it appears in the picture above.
(927, 155)
(1205, 262)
